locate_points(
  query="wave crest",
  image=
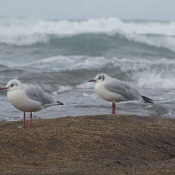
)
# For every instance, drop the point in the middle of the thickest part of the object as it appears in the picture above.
(156, 81)
(17, 31)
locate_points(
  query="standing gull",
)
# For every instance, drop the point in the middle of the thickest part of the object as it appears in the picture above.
(28, 98)
(113, 90)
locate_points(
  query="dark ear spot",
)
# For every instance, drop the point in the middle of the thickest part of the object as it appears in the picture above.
(103, 77)
(99, 77)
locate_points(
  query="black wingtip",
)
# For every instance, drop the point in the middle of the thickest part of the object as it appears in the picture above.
(146, 99)
(60, 103)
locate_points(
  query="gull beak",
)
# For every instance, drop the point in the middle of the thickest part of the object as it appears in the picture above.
(91, 80)
(3, 88)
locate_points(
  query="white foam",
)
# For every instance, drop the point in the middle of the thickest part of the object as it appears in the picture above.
(19, 31)
(155, 81)
(139, 64)
(146, 73)
(157, 74)
(86, 85)
(60, 63)
(62, 89)
(167, 42)
(76, 62)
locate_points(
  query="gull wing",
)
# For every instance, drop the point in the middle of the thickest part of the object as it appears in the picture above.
(124, 89)
(37, 94)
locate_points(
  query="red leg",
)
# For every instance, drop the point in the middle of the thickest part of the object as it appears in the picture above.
(24, 120)
(30, 119)
(24, 126)
(113, 108)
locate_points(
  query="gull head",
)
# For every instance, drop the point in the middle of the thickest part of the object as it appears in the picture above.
(99, 78)
(12, 85)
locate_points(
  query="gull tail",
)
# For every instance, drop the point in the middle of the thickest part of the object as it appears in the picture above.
(146, 99)
(60, 103)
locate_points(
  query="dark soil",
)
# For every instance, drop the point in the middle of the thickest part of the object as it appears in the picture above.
(102, 144)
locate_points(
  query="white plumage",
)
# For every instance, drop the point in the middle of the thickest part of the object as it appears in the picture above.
(113, 90)
(28, 98)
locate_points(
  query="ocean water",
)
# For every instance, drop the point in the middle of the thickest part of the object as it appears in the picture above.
(61, 56)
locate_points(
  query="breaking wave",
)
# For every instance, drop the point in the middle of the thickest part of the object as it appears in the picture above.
(143, 73)
(23, 32)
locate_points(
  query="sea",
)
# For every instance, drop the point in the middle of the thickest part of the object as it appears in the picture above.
(60, 56)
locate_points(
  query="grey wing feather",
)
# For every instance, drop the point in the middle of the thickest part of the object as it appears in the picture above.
(37, 94)
(124, 89)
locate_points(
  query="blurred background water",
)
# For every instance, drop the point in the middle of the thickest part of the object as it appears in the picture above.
(61, 56)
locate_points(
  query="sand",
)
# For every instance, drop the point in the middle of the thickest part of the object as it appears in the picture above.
(101, 144)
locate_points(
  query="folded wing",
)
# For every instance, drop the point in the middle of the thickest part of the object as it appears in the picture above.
(124, 89)
(37, 94)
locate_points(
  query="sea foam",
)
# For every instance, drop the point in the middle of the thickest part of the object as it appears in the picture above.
(17, 31)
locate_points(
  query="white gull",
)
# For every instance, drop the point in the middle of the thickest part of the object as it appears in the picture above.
(113, 90)
(28, 98)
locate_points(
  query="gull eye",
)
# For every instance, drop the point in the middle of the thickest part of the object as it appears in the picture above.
(12, 85)
(99, 77)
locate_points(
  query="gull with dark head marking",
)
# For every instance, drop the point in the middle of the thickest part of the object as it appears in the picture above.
(113, 90)
(28, 98)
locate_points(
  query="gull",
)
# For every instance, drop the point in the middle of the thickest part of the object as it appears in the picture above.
(114, 90)
(28, 98)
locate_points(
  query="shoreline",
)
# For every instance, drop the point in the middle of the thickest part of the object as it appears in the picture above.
(99, 144)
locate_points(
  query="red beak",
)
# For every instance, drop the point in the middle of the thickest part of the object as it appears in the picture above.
(91, 80)
(3, 88)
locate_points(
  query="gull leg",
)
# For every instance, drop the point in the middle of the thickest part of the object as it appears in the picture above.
(113, 108)
(24, 120)
(24, 126)
(30, 119)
